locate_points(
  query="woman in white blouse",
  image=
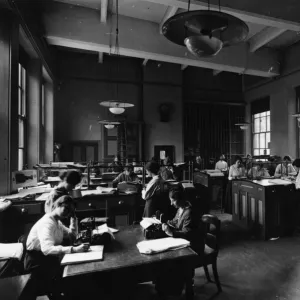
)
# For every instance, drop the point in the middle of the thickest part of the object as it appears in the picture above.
(237, 170)
(44, 243)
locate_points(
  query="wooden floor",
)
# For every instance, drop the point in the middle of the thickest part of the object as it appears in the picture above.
(248, 269)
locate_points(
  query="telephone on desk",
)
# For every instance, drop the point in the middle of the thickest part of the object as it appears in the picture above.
(155, 230)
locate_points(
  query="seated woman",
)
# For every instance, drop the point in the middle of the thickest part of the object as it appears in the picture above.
(236, 171)
(69, 180)
(259, 171)
(44, 243)
(286, 168)
(126, 176)
(166, 171)
(185, 225)
(221, 165)
(153, 191)
(116, 165)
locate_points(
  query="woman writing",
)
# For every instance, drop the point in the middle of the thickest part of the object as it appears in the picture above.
(44, 242)
(69, 181)
(154, 188)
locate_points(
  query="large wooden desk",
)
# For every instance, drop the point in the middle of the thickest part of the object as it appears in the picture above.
(265, 208)
(123, 255)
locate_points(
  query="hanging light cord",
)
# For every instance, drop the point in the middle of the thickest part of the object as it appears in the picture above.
(208, 4)
(189, 5)
(117, 45)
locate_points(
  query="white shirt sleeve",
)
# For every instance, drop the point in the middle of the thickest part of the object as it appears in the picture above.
(72, 231)
(46, 236)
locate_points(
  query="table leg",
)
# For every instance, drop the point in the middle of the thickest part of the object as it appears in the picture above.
(189, 285)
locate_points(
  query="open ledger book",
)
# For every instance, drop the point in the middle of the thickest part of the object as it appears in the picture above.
(95, 253)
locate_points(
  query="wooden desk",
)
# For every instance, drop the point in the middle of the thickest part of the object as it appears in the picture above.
(264, 208)
(12, 288)
(123, 255)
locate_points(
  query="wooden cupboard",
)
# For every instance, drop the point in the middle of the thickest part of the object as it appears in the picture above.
(267, 209)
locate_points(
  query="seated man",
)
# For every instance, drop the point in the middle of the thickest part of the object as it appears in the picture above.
(259, 171)
(126, 176)
(166, 171)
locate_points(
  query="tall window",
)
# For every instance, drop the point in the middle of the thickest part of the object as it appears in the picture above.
(43, 132)
(261, 133)
(22, 117)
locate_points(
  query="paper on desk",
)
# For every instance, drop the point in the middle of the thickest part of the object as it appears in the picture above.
(280, 181)
(102, 229)
(161, 245)
(13, 250)
(42, 197)
(95, 253)
(147, 222)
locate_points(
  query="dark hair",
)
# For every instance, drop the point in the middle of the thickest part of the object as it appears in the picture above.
(177, 194)
(71, 177)
(128, 167)
(260, 163)
(238, 158)
(287, 157)
(63, 200)
(296, 162)
(152, 167)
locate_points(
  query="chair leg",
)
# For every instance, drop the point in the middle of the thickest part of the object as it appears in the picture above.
(207, 273)
(216, 276)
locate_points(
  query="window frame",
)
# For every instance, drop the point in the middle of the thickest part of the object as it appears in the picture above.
(22, 116)
(260, 132)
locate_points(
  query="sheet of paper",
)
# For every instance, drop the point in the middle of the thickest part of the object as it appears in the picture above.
(102, 229)
(280, 181)
(95, 253)
(161, 245)
(147, 222)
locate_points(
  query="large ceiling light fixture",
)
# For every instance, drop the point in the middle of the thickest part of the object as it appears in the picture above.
(115, 106)
(205, 32)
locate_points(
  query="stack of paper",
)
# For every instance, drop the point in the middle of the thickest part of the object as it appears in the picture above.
(95, 253)
(161, 245)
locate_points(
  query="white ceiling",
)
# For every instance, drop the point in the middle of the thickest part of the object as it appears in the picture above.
(264, 31)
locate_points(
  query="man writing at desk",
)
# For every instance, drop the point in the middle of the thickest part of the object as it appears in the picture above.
(126, 176)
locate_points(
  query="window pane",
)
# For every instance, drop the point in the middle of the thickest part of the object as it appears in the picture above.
(256, 152)
(23, 104)
(262, 152)
(21, 133)
(256, 141)
(43, 105)
(263, 114)
(268, 139)
(256, 125)
(262, 140)
(20, 102)
(263, 124)
(268, 123)
(268, 151)
(268, 113)
(20, 75)
(256, 115)
(21, 159)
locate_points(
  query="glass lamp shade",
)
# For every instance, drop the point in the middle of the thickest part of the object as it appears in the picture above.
(116, 110)
(244, 127)
(109, 126)
(203, 45)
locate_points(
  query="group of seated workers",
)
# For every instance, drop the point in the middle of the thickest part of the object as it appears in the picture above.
(46, 241)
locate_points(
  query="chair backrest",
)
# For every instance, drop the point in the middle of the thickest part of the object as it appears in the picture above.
(212, 235)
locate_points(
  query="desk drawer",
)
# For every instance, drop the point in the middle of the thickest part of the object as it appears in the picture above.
(27, 209)
(121, 201)
(87, 204)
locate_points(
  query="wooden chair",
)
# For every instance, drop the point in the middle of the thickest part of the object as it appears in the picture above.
(211, 250)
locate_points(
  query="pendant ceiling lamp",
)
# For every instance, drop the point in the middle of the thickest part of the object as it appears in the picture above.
(243, 126)
(115, 106)
(205, 32)
(109, 124)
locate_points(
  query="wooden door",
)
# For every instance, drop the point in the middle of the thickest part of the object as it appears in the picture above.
(84, 151)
